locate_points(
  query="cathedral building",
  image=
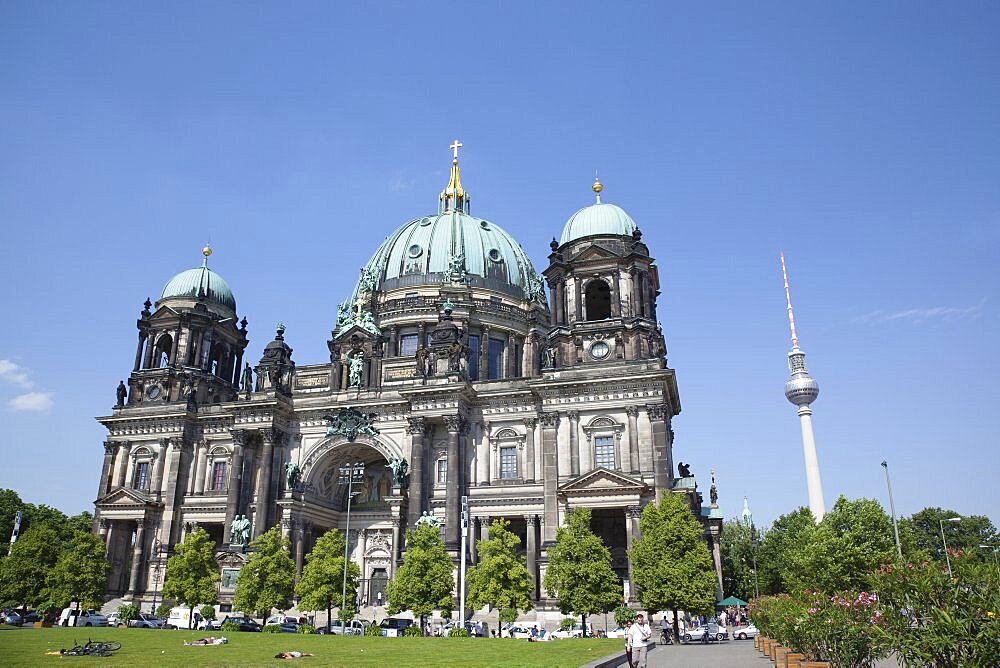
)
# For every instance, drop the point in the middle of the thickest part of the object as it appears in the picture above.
(452, 373)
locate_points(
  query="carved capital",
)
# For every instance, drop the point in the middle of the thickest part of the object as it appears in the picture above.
(416, 425)
(286, 523)
(239, 437)
(574, 416)
(530, 423)
(110, 447)
(105, 524)
(395, 522)
(632, 411)
(549, 419)
(657, 411)
(453, 423)
(140, 523)
(633, 512)
(531, 520)
(164, 442)
(272, 436)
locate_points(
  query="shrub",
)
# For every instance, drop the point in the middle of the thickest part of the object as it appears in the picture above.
(231, 627)
(623, 615)
(163, 610)
(207, 611)
(127, 613)
(373, 630)
(412, 631)
(271, 628)
(567, 623)
(306, 628)
(455, 632)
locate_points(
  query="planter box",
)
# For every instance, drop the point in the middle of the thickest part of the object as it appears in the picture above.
(794, 660)
(779, 656)
(814, 664)
(42, 625)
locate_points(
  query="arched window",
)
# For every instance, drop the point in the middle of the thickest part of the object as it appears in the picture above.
(598, 300)
(163, 347)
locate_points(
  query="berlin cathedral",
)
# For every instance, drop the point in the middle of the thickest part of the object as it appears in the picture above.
(452, 373)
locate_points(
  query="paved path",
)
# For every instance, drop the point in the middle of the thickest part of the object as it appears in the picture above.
(726, 654)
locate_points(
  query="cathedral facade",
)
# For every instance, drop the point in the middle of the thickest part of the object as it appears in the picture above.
(453, 378)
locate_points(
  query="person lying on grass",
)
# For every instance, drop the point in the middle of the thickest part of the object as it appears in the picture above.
(211, 640)
(291, 655)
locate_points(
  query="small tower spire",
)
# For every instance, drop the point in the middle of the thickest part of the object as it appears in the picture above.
(454, 197)
(788, 299)
(597, 187)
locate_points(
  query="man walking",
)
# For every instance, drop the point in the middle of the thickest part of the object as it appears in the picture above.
(639, 636)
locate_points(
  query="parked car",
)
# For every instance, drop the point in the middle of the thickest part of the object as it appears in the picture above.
(209, 625)
(746, 632)
(245, 623)
(617, 633)
(713, 631)
(393, 627)
(82, 618)
(180, 618)
(575, 632)
(12, 617)
(30, 618)
(352, 628)
(145, 622)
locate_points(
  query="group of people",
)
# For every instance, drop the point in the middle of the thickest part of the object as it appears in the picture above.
(637, 637)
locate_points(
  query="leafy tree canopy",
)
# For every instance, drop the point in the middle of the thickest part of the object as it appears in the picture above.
(737, 553)
(80, 574)
(671, 564)
(788, 535)
(322, 579)
(967, 534)
(426, 579)
(192, 571)
(23, 571)
(500, 579)
(268, 578)
(579, 572)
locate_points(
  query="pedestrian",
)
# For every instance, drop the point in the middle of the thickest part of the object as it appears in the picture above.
(639, 635)
(628, 643)
(665, 625)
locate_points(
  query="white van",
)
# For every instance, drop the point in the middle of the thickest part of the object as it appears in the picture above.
(180, 618)
(73, 617)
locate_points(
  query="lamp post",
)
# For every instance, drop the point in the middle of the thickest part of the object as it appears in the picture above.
(945, 542)
(892, 509)
(996, 562)
(156, 571)
(753, 544)
(349, 474)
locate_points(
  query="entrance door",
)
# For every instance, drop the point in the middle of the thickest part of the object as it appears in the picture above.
(376, 587)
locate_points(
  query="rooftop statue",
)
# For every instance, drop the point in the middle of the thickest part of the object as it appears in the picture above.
(246, 383)
(399, 469)
(356, 364)
(293, 475)
(120, 393)
(239, 530)
(428, 519)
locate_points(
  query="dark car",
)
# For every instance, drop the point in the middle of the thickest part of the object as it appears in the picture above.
(245, 623)
(31, 618)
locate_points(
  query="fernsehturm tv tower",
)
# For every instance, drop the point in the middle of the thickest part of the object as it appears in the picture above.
(802, 389)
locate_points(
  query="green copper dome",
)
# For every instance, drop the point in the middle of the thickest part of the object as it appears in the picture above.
(425, 251)
(603, 219)
(200, 280)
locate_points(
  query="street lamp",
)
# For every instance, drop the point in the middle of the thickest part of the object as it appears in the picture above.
(941, 521)
(996, 562)
(892, 509)
(348, 474)
(156, 571)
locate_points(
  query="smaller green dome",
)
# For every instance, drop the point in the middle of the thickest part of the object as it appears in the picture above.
(603, 219)
(188, 284)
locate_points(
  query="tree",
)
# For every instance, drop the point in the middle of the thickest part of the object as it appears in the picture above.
(671, 565)
(23, 571)
(789, 534)
(192, 571)
(500, 578)
(968, 534)
(737, 550)
(851, 542)
(80, 574)
(267, 580)
(322, 578)
(426, 579)
(10, 503)
(579, 572)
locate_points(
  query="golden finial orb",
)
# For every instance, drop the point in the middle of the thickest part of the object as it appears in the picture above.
(597, 187)
(206, 251)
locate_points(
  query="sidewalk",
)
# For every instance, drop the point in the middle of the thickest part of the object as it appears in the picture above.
(728, 654)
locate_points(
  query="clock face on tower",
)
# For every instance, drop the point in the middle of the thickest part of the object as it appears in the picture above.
(153, 392)
(599, 350)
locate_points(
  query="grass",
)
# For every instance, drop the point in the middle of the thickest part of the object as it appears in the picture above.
(146, 648)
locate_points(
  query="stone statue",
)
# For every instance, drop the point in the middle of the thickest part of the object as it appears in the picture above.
(239, 530)
(432, 362)
(293, 475)
(247, 381)
(356, 366)
(343, 312)
(275, 375)
(421, 357)
(428, 519)
(367, 323)
(684, 470)
(714, 495)
(549, 357)
(455, 356)
(456, 267)
(121, 393)
(399, 468)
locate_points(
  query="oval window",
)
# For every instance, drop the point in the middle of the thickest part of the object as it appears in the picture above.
(483, 224)
(414, 251)
(425, 221)
(494, 255)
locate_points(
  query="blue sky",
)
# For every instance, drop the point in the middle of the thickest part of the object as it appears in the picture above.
(860, 138)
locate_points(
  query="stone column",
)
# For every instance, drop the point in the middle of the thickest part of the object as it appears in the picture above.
(237, 369)
(103, 527)
(235, 483)
(578, 296)
(631, 520)
(175, 345)
(262, 496)
(574, 442)
(161, 458)
(147, 361)
(717, 560)
(286, 528)
(138, 351)
(453, 523)
(633, 437)
(616, 300)
(484, 527)
(124, 450)
(416, 427)
(484, 353)
(137, 557)
(550, 476)
(636, 291)
(202, 466)
(529, 449)
(300, 540)
(393, 340)
(396, 521)
(110, 447)
(658, 418)
(531, 555)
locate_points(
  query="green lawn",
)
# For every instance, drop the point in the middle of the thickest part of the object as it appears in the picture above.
(146, 648)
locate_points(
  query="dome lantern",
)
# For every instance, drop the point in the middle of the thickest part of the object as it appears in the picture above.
(598, 219)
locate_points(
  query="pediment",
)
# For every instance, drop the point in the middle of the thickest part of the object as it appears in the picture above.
(124, 498)
(355, 334)
(603, 481)
(595, 252)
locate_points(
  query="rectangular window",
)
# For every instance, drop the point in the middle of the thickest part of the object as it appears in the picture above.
(494, 359)
(442, 472)
(219, 475)
(604, 452)
(473, 357)
(140, 480)
(508, 463)
(408, 345)
(518, 354)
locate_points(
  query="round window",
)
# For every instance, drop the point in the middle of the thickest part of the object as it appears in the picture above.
(415, 251)
(425, 221)
(599, 350)
(483, 224)
(494, 255)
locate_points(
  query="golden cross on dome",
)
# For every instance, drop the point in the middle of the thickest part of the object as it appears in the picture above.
(455, 145)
